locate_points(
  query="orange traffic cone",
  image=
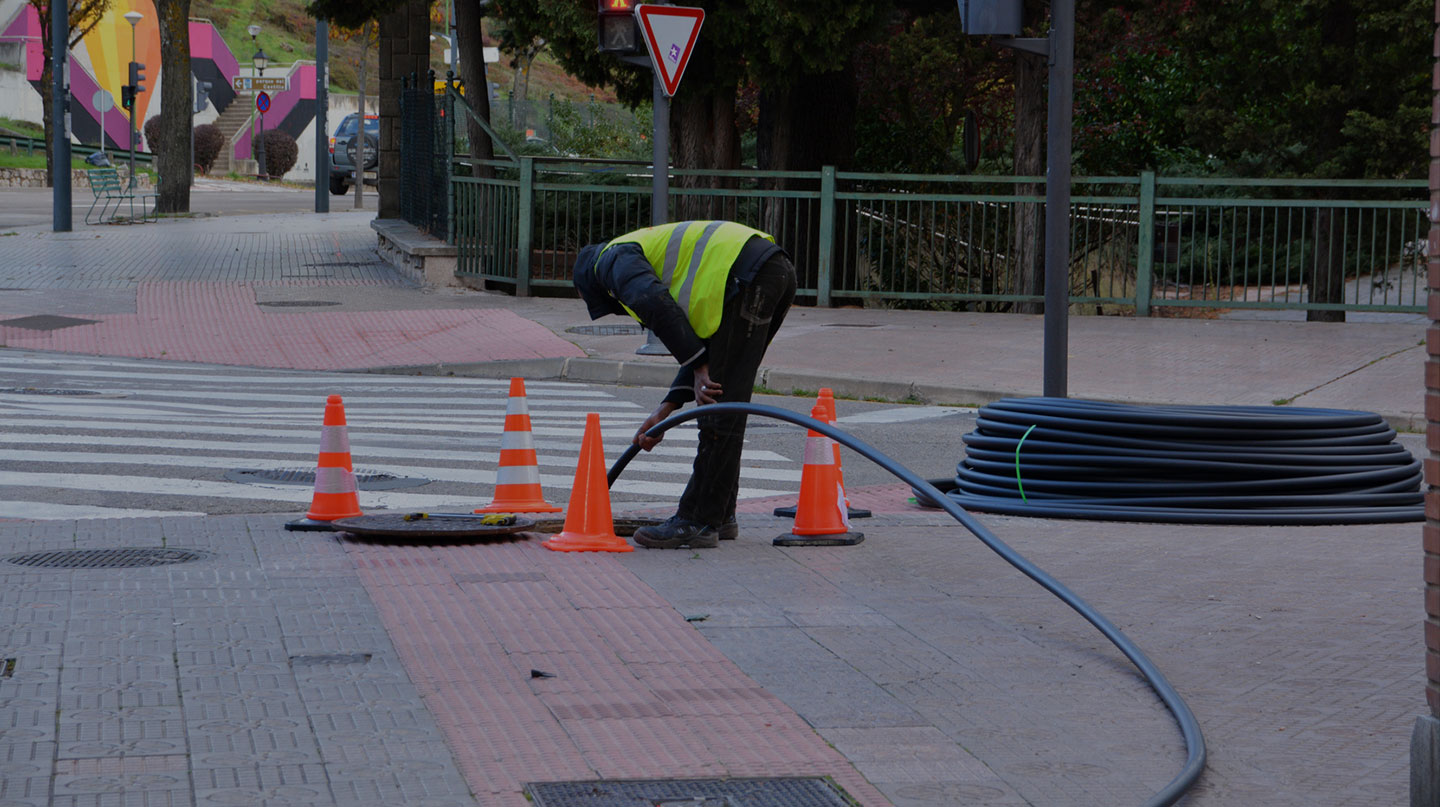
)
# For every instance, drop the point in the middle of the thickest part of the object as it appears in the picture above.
(336, 495)
(589, 526)
(820, 517)
(826, 401)
(517, 483)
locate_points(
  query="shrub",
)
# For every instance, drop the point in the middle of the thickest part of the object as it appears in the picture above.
(208, 142)
(280, 152)
(152, 135)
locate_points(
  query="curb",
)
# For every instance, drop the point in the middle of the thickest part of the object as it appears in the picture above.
(649, 374)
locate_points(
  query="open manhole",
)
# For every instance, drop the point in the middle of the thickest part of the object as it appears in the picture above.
(606, 330)
(299, 303)
(365, 480)
(126, 558)
(779, 792)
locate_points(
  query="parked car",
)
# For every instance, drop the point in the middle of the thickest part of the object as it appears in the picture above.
(345, 146)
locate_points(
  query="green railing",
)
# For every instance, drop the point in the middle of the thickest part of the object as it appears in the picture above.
(976, 243)
(30, 146)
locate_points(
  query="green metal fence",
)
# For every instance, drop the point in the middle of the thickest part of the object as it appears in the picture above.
(1137, 243)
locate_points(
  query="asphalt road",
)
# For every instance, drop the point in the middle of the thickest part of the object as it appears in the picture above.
(28, 207)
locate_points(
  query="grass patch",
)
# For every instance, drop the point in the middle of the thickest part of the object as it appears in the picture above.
(32, 161)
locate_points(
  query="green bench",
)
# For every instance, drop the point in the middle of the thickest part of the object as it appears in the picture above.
(111, 195)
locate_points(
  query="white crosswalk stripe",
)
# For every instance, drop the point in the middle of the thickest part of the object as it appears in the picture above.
(87, 437)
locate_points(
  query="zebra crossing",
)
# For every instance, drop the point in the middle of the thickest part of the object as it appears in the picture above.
(89, 437)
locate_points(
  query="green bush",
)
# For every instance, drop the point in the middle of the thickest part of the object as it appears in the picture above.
(208, 142)
(280, 152)
(152, 135)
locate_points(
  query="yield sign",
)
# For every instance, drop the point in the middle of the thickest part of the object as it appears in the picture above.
(669, 33)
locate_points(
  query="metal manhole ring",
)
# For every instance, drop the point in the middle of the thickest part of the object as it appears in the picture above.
(445, 525)
(121, 558)
(623, 526)
(364, 479)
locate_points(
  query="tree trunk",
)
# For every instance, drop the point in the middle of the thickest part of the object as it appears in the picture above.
(469, 32)
(47, 76)
(1031, 71)
(703, 134)
(173, 155)
(1327, 270)
(804, 127)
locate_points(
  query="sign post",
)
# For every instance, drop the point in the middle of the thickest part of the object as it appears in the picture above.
(262, 105)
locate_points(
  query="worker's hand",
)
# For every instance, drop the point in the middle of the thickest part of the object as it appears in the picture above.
(707, 391)
(664, 410)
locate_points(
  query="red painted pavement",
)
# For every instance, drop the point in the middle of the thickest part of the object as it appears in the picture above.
(221, 324)
(637, 692)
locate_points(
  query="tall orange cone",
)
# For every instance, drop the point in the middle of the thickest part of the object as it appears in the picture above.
(826, 401)
(589, 526)
(336, 494)
(820, 517)
(517, 482)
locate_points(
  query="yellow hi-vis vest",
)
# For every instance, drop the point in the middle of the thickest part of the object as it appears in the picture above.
(693, 260)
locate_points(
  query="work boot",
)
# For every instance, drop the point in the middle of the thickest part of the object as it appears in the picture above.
(729, 530)
(676, 532)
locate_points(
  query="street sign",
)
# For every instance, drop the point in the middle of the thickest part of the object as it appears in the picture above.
(253, 83)
(102, 101)
(262, 102)
(669, 33)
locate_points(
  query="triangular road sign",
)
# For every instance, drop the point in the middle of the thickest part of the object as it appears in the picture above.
(669, 33)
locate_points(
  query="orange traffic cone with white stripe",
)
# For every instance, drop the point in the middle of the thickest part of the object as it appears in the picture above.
(826, 401)
(517, 481)
(336, 494)
(589, 525)
(820, 517)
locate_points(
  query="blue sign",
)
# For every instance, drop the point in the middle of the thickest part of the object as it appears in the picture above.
(262, 102)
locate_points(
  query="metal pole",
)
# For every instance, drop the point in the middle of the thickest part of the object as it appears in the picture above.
(660, 156)
(659, 189)
(134, 106)
(1057, 197)
(358, 141)
(322, 103)
(60, 120)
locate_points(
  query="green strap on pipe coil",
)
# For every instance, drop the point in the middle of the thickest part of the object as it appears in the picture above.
(1017, 461)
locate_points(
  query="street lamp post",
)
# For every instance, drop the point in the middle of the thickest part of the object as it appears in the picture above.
(260, 60)
(132, 17)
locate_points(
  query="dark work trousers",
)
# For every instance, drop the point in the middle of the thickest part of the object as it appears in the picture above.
(749, 321)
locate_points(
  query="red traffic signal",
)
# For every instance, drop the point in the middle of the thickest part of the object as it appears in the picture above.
(619, 32)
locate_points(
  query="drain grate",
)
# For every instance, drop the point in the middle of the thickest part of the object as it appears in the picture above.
(127, 558)
(365, 480)
(606, 330)
(47, 322)
(299, 303)
(47, 391)
(330, 658)
(779, 792)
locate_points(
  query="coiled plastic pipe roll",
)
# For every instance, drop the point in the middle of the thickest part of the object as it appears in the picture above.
(1068, 458)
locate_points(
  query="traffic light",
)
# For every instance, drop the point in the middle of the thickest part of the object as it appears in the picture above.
(619, 31)
(127, 97)
(202, 95)
(137, 75)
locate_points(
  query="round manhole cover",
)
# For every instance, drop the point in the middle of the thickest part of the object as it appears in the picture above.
(606, 330)
(299, 303)
(126, 558)
(364, 479)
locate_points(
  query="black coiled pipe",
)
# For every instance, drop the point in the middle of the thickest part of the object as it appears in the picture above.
(1184, 718)
(1067, 458)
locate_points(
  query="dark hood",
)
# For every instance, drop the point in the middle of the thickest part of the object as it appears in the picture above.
(597, 299)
